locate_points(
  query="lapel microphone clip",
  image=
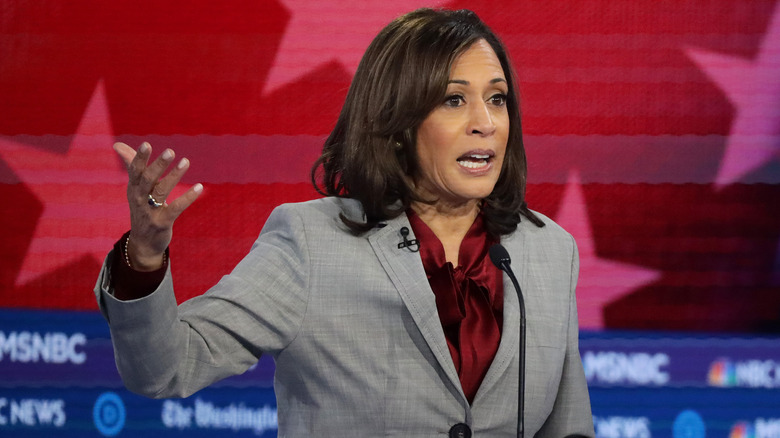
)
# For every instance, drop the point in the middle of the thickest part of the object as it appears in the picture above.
(408, 243)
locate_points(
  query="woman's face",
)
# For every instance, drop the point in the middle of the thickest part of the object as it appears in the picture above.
(461, 143)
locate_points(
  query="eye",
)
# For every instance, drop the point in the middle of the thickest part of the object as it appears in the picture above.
(498, 99)
(454, 101)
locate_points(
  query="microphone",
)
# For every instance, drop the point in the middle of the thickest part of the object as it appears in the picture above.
(408, 243)
(500, 257)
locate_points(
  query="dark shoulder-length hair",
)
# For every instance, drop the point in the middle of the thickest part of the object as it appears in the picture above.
(371, 153)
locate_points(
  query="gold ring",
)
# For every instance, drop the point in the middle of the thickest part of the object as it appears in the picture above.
(153, 202)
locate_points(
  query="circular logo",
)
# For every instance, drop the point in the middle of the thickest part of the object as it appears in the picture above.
(689, 424)
(109, 414)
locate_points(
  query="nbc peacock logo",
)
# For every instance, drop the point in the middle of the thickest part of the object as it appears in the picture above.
(742, 430)
(722, 373)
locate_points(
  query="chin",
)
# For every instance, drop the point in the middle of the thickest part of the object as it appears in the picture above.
(478, 195)
(483, 191)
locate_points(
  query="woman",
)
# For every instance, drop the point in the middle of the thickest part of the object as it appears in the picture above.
(378, 302)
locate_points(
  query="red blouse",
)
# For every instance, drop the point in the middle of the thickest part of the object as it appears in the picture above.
(469, 297)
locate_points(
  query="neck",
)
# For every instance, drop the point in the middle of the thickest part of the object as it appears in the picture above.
(443, 213)
(449, 223)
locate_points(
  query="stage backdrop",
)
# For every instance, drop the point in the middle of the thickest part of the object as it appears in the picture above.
(652, 131)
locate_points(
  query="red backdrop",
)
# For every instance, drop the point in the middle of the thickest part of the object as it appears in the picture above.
(652, 130)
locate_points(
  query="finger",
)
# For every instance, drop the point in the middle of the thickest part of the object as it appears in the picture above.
(164, 186)
(136, 167)
(125, 152)
(178, 205)
(154, 171)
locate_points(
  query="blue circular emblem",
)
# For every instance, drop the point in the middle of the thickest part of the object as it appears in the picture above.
(689, 424)
(109, 414)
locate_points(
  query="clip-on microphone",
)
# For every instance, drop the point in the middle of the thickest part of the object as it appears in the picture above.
(408, 243)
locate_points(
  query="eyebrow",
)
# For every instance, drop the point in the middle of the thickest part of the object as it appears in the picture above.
(464, 82)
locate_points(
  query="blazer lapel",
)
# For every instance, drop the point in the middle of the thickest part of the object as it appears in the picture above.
(510, 333)
(406, 271)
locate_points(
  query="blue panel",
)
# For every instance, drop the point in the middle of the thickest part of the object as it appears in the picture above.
(58, 378)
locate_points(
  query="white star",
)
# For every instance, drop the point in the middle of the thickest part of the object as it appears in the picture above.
(82, 192)
(753, 87)
(320, 32)
(601, 281)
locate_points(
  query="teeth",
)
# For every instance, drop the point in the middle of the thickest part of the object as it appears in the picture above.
(472, 164)
(480, 157)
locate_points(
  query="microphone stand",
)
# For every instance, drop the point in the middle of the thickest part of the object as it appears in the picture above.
(500, 257)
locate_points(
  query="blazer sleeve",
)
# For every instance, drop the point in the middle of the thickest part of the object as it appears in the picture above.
(165, 350)
(571, 414)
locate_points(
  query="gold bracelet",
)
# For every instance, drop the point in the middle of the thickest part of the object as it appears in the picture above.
(127, 257)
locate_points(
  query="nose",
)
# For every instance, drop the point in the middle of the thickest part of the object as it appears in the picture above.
(481, 120)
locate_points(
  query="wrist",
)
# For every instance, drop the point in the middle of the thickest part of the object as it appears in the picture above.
(138, 261)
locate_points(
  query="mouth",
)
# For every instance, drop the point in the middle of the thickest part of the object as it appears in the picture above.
(476, 159)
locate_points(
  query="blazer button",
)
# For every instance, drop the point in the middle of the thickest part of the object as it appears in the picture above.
(460, 430)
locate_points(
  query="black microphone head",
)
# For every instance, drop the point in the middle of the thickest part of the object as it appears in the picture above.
(499, 256)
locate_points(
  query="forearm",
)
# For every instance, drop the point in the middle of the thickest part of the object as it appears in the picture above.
(128, 283)
(149, 347)
(148, 343)
(162, 350)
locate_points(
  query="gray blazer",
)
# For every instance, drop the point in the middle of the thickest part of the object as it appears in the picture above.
(352, 324)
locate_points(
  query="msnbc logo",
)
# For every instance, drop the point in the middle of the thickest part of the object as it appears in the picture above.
(761, 428)
(752, 373)
(619, 368)
(742, 430)
(722, 373)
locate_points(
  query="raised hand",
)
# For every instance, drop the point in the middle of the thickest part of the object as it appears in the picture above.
(151, 215)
